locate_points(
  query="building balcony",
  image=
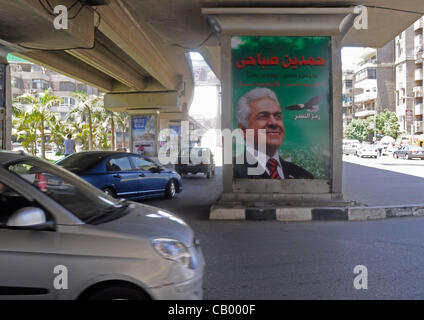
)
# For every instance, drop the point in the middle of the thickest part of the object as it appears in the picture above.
(418, 24)
(364, 113)
(418, 109)
(418, 74)
(366, 96)
(418, 92)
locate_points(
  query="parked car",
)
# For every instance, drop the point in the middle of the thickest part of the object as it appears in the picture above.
(367, 150)
(196, 160)
(409, 152)
(59, 232)
(350, 146)
(124, 175)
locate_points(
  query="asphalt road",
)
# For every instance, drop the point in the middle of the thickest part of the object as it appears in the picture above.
(313, 260)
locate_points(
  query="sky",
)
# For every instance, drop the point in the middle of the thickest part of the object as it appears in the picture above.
(350, 56)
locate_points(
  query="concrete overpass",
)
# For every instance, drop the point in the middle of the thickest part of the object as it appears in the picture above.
(136, 51)
(141, 47)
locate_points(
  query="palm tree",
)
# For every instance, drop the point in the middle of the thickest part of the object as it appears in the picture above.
(39, 115)
(122, 119)
(86, 108)
(110, 119)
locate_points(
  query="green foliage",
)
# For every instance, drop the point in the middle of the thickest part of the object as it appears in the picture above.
(91, 126)
(311, 159)
(387, 123)
(359, 129)
(31, 124)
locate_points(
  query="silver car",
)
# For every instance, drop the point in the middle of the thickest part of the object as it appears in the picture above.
(61, 238)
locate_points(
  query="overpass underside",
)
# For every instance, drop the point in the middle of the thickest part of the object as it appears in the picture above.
(136, 53)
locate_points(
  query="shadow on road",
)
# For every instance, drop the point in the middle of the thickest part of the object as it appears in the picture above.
(377, 187)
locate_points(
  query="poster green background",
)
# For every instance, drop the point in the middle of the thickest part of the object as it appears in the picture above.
(307, 142)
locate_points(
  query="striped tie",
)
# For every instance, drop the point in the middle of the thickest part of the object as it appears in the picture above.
(272, 165)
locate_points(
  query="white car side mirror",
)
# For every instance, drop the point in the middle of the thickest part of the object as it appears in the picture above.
(27, 217)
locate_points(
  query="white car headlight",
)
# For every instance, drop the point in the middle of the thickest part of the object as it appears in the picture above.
(173, 250)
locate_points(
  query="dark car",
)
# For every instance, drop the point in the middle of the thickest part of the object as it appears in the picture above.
(409, 152)
(124, 175)
(196, 160)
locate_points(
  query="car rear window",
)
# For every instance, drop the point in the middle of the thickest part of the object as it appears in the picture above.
(80, 161)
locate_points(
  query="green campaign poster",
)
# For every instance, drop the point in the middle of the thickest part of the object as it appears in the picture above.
(295, 71)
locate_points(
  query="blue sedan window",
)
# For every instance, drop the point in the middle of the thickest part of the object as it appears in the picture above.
(143, 164)
(119, 164)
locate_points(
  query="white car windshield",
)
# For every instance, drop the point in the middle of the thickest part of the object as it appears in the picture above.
(71, 192)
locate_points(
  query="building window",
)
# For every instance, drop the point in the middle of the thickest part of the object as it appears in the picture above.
(82, 87)
(372, 73)
(67, 101)
(348, 83)
(66, 86)
(369, 73)
(17, 83)
(40, 84)
(26, 67)
(37, 68)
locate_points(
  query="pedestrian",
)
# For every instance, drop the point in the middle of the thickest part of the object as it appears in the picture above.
(380, 150)
(69, 146)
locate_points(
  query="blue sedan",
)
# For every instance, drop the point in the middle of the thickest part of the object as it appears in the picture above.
(124, 175)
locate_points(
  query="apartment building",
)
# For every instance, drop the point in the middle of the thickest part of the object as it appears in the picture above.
(347, 91)
(405, 79)
(417, 109)
(28, 77)
(374, 82)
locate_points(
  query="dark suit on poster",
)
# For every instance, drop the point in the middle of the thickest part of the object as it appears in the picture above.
(290, 171)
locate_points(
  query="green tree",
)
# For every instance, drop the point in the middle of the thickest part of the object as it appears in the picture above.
(109, 120)
(81, 132)
(359, 129)
(85, 109)
(387, 123)
(37, 118)
(122, 120)
(58, 133)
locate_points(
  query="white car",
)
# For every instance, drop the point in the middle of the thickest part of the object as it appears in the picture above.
(367, 150)
(57, 230)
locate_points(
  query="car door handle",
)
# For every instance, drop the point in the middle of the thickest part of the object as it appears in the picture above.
(117, 176)
(142, 175)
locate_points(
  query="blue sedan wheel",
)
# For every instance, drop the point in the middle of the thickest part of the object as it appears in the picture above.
(170, 190)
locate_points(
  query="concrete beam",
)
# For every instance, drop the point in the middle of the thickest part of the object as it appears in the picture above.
(70, 66)
(132, 101)
(104, 60)
(27, 23)
(174, 116)
(276, 21)
(212, 56)
(120, 27)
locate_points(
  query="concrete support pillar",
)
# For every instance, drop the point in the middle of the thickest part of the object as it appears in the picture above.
(5, 103)
(328, 23)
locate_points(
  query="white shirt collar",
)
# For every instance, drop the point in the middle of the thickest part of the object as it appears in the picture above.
(263, 159)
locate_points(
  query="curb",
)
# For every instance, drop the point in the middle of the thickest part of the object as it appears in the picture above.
(300, 214)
